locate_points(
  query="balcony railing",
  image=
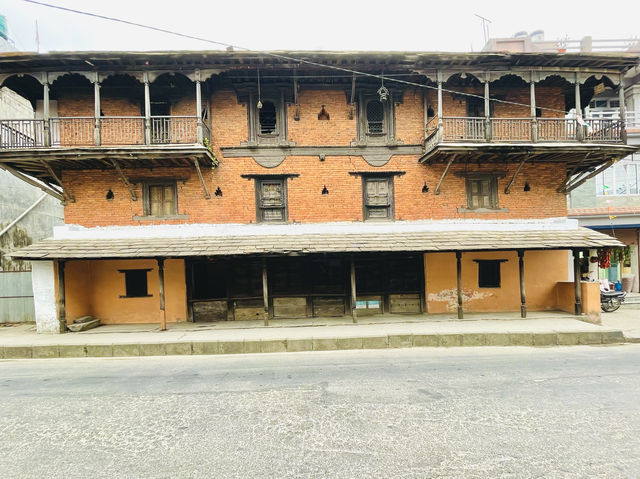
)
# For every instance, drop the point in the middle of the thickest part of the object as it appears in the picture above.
(540, 130)
(64, 132)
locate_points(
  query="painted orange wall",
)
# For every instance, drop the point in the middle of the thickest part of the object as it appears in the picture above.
(543, 270)
(94, 288)
(590, 298)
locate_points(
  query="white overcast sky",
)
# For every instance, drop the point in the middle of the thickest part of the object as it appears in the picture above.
(402, 25)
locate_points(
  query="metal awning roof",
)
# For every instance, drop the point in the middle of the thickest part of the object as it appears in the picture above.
(292, 244)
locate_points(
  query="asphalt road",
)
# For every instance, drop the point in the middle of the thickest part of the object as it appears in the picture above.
(464, 412)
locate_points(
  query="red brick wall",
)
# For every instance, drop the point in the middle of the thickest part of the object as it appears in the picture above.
(306, 203)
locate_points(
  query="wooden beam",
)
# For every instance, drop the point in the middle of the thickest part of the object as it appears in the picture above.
(21, 176)
(354, 296)
(523, 304)
(163, 312)
(446, 170)
(115, 164)
(573, 171)
(204, 185)
(66, 193)
(577, 287)
(513, 179)
(61, 300)
(568, 189)
(265, 292)
(459, 283)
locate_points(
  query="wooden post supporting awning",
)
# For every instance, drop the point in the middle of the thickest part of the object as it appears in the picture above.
(459, 283)
(523, 304)
(354, 295)
(163, 313)
(576, 282)
(265, 292)
(60, 298)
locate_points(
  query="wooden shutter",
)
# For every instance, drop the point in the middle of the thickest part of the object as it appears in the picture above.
(272, 200)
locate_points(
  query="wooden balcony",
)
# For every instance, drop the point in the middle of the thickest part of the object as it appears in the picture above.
(71, 132)
(581, 144)
(37, 151)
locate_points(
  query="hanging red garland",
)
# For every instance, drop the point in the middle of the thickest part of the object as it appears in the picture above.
(604, 258)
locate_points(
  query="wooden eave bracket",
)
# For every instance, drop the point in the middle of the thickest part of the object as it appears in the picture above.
(573, 185)
(444, 173)
(132, 192)
(567, 180)
(207, 195)
(513, 178)
(44, 187)
(65, 191)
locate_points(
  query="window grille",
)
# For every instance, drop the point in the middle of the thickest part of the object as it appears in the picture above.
(375, 117)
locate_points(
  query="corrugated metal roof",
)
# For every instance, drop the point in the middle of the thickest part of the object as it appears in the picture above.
(315, 243)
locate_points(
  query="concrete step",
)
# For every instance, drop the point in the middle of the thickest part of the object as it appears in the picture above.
(313, 344)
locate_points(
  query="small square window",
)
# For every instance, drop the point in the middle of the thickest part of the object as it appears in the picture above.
(378, 198)
(482, 192)
(489, 273)
(160, 199)
(271, 199)
(135, 281)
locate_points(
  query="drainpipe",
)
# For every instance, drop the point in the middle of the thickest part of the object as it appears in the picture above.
(24, 213)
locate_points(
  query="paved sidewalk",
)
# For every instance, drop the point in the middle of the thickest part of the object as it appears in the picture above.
(541, 329)
(626, 319)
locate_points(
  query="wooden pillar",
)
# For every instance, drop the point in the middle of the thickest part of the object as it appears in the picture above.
(487, 108)
(96, 109)
(459, 280)
(61, 301)
(523, 303)
(265, 293)
(147, 110)
(354, 313)
(45, 112)
(623, 111)
(576, 282)
(439, 78)
(163, 313)
(579, 128)
(534, 117)
(200, 131)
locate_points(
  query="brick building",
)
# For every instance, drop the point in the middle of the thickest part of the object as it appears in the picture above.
(209, 186)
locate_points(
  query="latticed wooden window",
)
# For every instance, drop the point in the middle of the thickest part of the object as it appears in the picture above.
(160, 199)
(268, 118)
(272, 200)
(375, 117)
(482, 193)
(378, 198)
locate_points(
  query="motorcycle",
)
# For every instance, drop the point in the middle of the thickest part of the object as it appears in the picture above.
(611, 300)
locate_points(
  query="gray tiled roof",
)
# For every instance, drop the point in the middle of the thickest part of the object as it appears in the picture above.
(315, 243)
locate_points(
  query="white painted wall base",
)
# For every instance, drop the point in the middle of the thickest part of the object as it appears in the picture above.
(44, 296)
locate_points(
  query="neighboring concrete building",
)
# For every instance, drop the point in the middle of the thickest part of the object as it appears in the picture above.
(208, 186)
(26, 215)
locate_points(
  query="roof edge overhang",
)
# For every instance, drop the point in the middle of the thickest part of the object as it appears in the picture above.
(293, 245)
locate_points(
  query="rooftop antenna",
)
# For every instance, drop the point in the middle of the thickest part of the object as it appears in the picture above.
(485, 27)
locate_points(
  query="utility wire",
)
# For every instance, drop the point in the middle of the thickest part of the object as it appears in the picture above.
(280, 56)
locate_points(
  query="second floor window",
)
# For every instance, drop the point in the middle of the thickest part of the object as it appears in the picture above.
(271, 199)
(375, 120)
(268, 118)
(378, 198)
(160, 199)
